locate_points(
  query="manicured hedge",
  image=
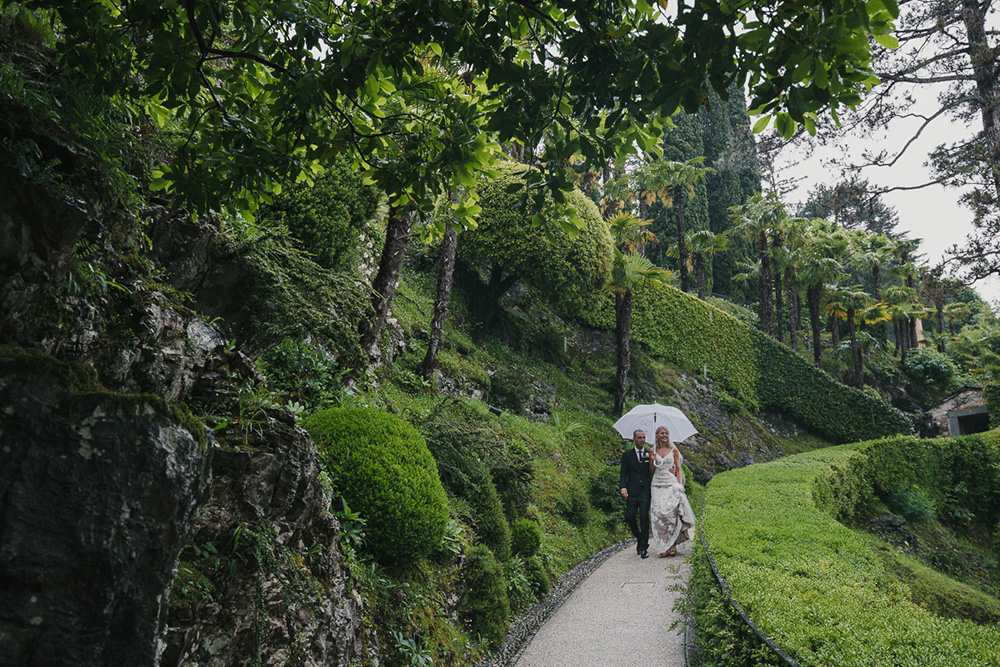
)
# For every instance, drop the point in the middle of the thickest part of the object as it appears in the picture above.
(819, 589)
(753, 367)
(382, 467)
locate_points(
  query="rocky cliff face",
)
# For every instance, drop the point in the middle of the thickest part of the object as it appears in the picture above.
(98, 492)
(128, 534)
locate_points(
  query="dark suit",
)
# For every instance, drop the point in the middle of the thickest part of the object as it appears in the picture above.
(635, 479)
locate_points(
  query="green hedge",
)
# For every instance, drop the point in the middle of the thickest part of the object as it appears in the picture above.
(754, 368)
(821, 590)
(381, 466)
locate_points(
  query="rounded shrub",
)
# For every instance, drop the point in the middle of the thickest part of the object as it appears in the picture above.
(329, 216)
(569, 269)
(539, 579)
(525, 538)
(573, 505)
(484, 605)
(605, 495)
(384, 471)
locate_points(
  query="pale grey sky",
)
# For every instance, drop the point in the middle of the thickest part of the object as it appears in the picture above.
(932, 214)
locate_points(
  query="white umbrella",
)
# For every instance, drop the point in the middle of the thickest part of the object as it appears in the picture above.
(650, 417)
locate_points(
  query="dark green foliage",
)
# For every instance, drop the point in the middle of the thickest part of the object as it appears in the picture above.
(288, 294)
(752, 367)
(573, 504)
(303, 372)
(468, 430)
(539, 579)
(605, 496)
(510, 390)
(382, 468)
(912, 503)
(930, 366)
(463, 451)
(991, 392)
(962, 472)
(567, 270)
(327, 217)
(484, 606)
(525, 538)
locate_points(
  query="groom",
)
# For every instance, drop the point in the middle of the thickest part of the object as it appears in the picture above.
(634, 483)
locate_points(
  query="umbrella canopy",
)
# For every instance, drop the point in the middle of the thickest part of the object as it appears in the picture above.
(650, 417)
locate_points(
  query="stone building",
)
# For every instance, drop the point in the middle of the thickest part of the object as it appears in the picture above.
(962, 413)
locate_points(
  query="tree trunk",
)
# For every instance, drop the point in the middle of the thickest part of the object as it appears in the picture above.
(488, 304)
(859, 373)
(779, 309)
(681, 248)
(984, 71)
(834, 331)
(793, 309)
(445, 279)
(913, 332)
(939, 306)
(623, 329)
(877, 282)
(397, 235)
(764, 287)
(699, 267)
(813, 296)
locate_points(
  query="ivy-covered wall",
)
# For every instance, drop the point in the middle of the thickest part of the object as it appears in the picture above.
(754, 368)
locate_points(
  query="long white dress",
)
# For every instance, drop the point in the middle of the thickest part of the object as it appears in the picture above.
(671, 519)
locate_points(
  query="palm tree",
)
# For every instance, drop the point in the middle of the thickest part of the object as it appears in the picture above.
(677, 179)
(844, 303)
(954, 311)
(631, 270)
(701, 245)
(818, 266)
(756, 220)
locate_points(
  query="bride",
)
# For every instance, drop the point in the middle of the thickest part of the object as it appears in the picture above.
(671, 516)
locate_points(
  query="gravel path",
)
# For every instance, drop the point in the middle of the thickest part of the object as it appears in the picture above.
(613, 609)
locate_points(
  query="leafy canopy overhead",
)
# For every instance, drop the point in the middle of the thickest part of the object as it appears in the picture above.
(421, 93)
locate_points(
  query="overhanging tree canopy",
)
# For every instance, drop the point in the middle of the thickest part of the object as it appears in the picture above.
(266, 89)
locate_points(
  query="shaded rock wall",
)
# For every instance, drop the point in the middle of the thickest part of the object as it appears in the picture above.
(275, 590)
(96, 493)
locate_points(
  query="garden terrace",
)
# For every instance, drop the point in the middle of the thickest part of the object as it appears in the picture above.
(826, 593)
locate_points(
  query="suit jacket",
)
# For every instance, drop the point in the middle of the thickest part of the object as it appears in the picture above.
(634, 476)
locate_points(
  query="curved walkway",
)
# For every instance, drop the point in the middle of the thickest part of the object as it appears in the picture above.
(619, 616)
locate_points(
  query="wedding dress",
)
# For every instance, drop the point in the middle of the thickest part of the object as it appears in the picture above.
(671, 519)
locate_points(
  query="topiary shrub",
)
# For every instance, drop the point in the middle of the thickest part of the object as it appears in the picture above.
(605, 495)
(539, 578)
(484, 606)
(568, 269)
(328, 217)
(383, 469)
(573, 505)
(525, 538)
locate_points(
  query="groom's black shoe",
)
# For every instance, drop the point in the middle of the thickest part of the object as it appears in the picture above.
(644, 554)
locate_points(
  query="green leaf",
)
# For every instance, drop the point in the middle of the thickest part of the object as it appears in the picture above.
(759, 126)
(888, 41)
